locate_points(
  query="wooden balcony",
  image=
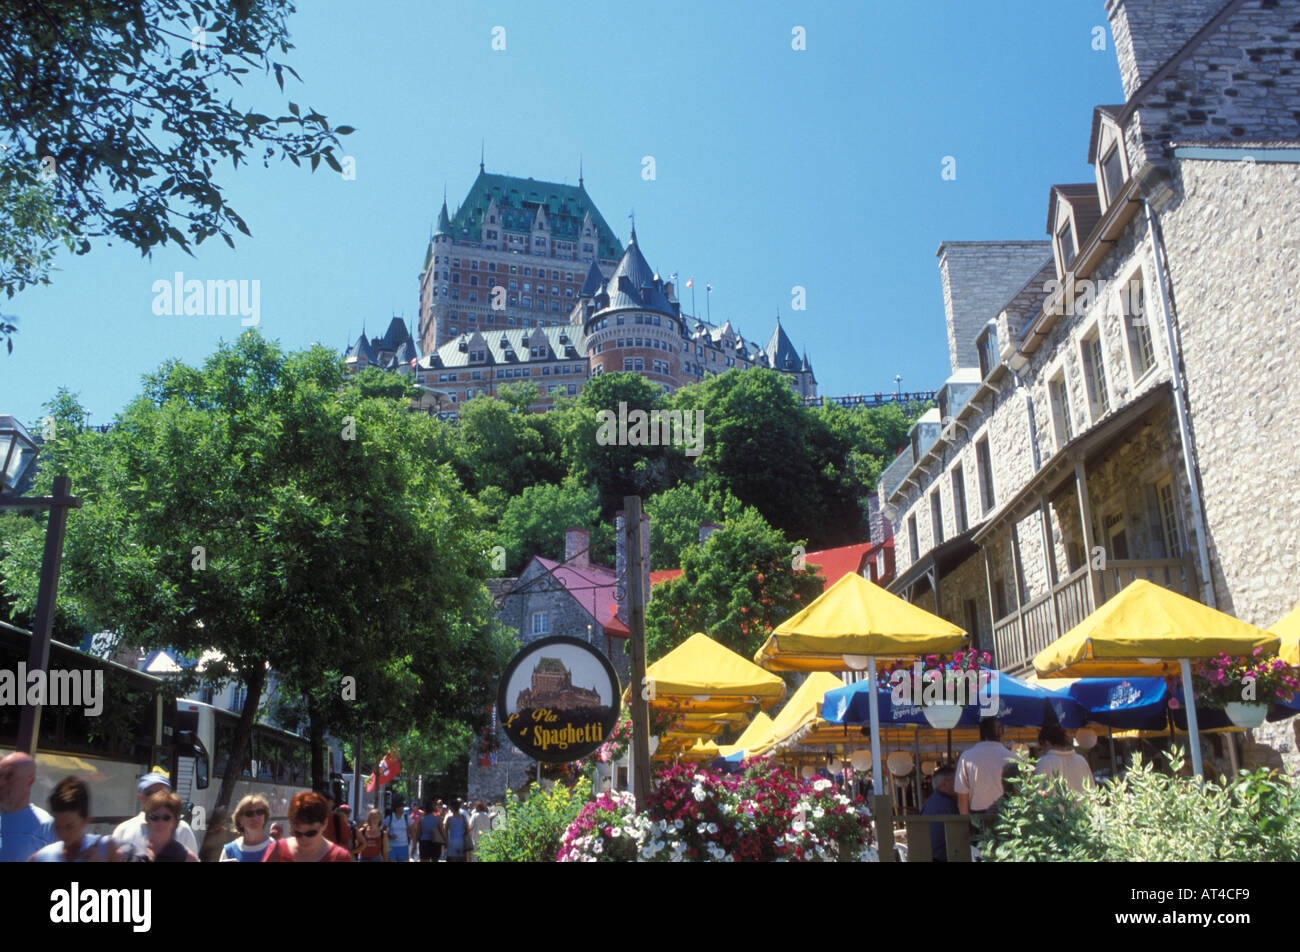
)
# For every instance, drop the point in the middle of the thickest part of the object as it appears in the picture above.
(1036, 624)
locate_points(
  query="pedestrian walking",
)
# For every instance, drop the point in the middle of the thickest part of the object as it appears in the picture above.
(396, 825)
(456, 828)
(372, 839)
(430, 824)
(306, 842)
(162, 844)
(250, 821)
(132, 835)
(24, 829)
(479, 824)
(70, 806)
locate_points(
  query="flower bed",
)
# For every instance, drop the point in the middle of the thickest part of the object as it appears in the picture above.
(695, 814)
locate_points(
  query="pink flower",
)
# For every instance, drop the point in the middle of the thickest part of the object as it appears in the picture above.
(1173, 704)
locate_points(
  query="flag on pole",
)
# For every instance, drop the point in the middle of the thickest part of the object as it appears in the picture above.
(708, 289)
(690, 282)
(387, 771)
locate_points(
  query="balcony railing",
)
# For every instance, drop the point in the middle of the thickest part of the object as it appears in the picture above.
(1022, 634)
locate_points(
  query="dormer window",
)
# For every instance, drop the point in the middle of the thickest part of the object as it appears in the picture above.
(1112, 173)
(1065, 246)
(987, 347)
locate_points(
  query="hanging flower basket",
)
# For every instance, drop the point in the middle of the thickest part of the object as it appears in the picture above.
(1246, 713)
(942, 717)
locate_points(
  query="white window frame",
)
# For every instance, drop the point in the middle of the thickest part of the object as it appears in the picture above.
(545, 627)
(1138, 271)
(1171, 552)
(1095, 408)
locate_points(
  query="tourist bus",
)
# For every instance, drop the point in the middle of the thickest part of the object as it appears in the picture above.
(132, 733)
(140, 727)
(277, 764)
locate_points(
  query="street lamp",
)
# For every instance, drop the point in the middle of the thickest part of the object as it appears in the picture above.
(18, 449)
(898, 382)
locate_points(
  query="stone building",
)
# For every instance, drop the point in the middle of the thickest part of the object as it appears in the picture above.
(1119, 398)
(526, 281)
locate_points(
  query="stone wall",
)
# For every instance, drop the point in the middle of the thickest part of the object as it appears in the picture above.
(1232, 242)
(979, 277)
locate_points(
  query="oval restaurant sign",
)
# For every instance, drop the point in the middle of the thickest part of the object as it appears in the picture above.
(558, 699)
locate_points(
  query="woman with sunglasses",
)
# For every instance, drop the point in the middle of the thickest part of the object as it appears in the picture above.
(305, 842)
(251, 819)
(162, 815)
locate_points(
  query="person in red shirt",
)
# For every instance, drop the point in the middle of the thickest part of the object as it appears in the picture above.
(306, 842)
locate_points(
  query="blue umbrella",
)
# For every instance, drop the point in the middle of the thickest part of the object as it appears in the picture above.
(1014, 702)
(1122, 703)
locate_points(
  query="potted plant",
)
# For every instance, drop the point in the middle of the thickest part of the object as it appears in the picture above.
(1245, 687)
(942, 685)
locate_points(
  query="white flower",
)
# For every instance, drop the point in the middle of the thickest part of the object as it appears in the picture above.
(698, 793)
(818, 813)
(615, 831)
(598, 848)
(821, 784)
(797, 826)
(713, 828)
(678, 824)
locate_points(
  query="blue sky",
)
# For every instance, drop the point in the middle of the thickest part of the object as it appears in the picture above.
(774, 168)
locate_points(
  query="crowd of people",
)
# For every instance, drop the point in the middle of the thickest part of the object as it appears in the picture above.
(318, 829)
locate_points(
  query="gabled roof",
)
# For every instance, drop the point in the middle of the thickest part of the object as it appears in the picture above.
(1087, 209)
(396, 335)
(564, 342)
(839, 562)
(594, 587)
(517, 201)
(1098, 114)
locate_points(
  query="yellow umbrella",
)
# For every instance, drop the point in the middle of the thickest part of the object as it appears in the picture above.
(802, 709)
(851, 619)
(848, 626)
(759, 730)
(701, 676)
(1288, 631)
(703, 750)
(1147, 630)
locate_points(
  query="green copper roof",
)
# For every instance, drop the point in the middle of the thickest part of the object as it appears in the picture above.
(517, 200)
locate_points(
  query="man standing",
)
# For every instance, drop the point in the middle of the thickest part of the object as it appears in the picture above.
(940, 803)
(979, 770)
(24, 829)
(1060, 757)
(133, 835)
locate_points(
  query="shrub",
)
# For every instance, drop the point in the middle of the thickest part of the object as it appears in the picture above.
(1150, 816)
(534, 827)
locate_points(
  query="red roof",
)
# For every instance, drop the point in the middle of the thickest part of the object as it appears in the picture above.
(834, 564)
(594, 588)
(667, 575)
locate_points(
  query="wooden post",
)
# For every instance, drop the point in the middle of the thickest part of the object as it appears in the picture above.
(38, 658)
(636, 627)
(1045, 520)
(1085, 517)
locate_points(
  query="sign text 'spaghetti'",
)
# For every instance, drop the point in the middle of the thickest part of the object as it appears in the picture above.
(558, 699)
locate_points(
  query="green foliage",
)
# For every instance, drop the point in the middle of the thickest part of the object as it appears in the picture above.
(128, 105)
(676, 516)
(534, 827)
(1151, 816)
(735, 589)
(329, 549)
(31, 231)
(620, 471)
(534, 521)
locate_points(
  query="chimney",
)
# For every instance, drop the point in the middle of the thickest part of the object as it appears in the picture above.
(620, 562)
(577, 545)
(707, 529)
(1149, 32)
(979, 278)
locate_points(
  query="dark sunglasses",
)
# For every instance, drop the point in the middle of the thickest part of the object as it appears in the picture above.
(159, 817)
(258, 812)
(305, 834)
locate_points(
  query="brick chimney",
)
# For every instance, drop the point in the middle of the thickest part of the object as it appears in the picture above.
(620, 560)
(577, 547)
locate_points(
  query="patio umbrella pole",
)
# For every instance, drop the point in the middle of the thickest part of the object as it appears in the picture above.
(882, 808)
(1193, 730)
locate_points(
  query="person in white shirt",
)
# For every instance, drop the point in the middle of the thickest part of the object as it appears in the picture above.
(978, 784)
(133, 834)
(1060, 757)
